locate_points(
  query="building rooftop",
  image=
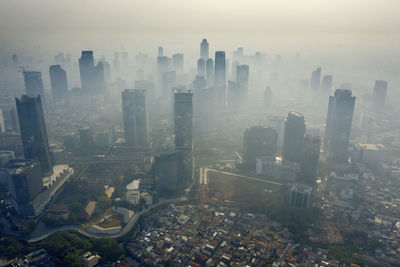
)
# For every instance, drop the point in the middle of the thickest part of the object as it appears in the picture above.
(134, 185)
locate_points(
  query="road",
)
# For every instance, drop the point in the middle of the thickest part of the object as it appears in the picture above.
(77, 228)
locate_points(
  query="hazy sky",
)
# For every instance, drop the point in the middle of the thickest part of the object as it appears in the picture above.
(21, 19)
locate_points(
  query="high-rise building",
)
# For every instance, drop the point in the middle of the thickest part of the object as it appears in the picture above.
(177, 63)
(293, 139)
(204, 49)
(162, 64)
(220, 78)
(201, 67)
(220, 69)
(326, 85)
(259, 142)
(338, 125)
(184, 136)
(134, 111)
(86, 64)
(242, 76)
(160, 51)
(316, 79)
(33, 83)
(24, 179)
(92, 77)
(379, 94)
(24, 183)
(2, 125)
(309, 161)
(33, 131)
(300, 195)
(278, 123)
(58, 79)
(168, 81)
(210, 71)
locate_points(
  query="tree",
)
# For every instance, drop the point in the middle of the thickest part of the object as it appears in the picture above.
(103, 202)
(73, 260)
(108, 249)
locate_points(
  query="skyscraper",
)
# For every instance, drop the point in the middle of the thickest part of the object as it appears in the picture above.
(242, 76)
(220, 78)
(134, 111)
(24, 183)
(201, 67)
(210, 71)
(58, 79)
(162, 64)
(160, 51)
(33, 131)
(204, 49)
(326, 85)
(33, 83)
(2, 125)
(379, 94)
(86, 64)
(309, 160)
(184, 135)
(177, 63)
(92, 77)
(168, 81)
(316, 79)
(259, 142)
(338, 125)
(220, 69)
(293, 139)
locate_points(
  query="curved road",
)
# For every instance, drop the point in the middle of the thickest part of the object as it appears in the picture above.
(132, 221)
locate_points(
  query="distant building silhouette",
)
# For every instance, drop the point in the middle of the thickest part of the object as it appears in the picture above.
(210, 72)
(259, 142)
(338, 125)
(33, 131)
(379, 94)
(160, 51)
(33, 83)
(168, 81)
(293, 139)
(326, 85)
(162, 64)
(92, 77)
(134, 111)
(242, 76)
(201, 67)
(58, 79)
(220, 78)
(316, 79)
(184, 136)
(177, 63)
(204, 48)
